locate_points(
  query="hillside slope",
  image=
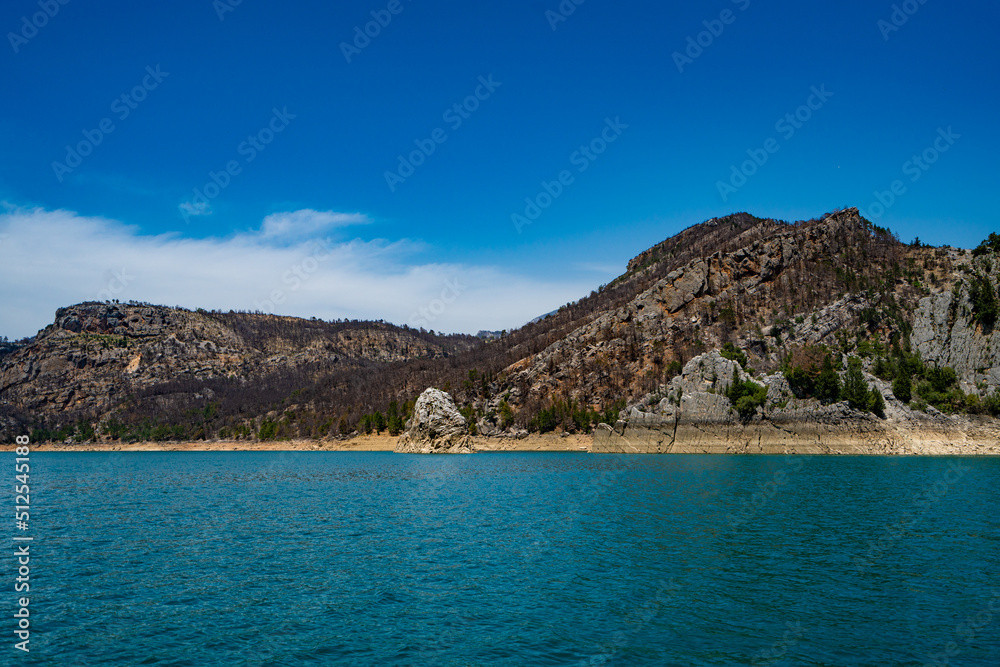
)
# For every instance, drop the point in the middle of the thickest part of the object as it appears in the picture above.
(787, 300)
(96, 358)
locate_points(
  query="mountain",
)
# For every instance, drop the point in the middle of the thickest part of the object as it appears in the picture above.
(99, 359)
(797, 303)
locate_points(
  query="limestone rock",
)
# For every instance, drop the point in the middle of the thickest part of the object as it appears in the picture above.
(945, 334)
(436, 427)
(96, 354)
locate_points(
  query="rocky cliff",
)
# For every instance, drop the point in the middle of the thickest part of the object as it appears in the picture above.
(946, 332)
(917, 325)
(764, 285)
(691, 414)
(778, 293)
(96, 358)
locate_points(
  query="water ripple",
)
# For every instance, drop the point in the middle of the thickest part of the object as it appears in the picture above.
(512, 559)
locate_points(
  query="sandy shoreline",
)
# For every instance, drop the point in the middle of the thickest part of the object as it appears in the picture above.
(925, 444)
(549, 442)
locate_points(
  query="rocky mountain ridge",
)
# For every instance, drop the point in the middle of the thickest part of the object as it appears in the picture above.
(94, 355)
(781, 296)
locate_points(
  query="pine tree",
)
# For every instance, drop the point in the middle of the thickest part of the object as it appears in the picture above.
(828, 382)
(506, 415)
(393, 419)
(876, 403)
(378, 422)
(902, 387)
(855, 389)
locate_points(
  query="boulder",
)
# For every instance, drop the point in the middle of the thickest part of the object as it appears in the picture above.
(436, 427)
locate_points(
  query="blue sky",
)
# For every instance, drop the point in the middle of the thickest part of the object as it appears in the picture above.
(641, 136)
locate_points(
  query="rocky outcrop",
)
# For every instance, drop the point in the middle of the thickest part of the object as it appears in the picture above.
(94, 355)
(763, 285)
(782, 293)
(691, 415)
(436, 427)
(945, 333)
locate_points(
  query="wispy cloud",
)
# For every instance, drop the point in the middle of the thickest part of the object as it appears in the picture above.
(53, 258)
(306, 223)
(608, 269)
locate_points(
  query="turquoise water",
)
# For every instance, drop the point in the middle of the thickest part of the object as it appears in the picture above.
(509, 559)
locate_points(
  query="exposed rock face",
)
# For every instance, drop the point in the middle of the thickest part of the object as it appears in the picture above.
(778, 291)
(945, 334)
(734, 280)
(95, 354)
(694, 417)
(436, 427)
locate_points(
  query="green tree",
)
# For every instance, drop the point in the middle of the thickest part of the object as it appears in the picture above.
(268, 430)
(394, 421)
(378, 422)
(612, 411)
(983, 297)
(902, 387)
(882, 368)
(991, 244)
(506, 415)
(733, 353)
(991, 403)
(802, 381)
(828, 382)
(469, 413)
(942, 378)
(855, 390)
(547, 420)
(84, 431)
(876, 403)
(745, 396)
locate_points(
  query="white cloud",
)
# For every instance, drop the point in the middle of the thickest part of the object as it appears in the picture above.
(306, 222)
(50, 259)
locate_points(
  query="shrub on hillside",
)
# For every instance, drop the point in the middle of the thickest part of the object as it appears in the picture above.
(902, 388)
(983, 298)
(746, 396)
(733, 353)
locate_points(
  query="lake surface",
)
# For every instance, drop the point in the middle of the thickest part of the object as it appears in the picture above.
(267, 558)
